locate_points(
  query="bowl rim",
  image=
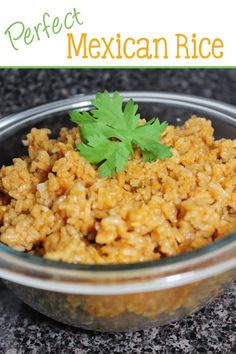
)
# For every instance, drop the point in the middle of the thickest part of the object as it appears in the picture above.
(166, 272)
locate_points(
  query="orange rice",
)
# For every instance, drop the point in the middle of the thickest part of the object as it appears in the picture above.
(53, 204)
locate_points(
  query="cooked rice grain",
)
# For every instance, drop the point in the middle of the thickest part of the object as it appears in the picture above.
(53, 203)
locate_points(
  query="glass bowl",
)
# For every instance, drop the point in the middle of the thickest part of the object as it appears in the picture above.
(128, 296)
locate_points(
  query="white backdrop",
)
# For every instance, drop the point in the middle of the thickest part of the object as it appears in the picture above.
(106, 18)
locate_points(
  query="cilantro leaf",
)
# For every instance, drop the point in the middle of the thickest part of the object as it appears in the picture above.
(110, 132)
(112, 155)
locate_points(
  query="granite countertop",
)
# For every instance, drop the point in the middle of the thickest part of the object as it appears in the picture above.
(22, 330)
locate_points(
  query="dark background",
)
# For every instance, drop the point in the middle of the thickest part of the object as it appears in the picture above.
(23, 330)
(26, 88)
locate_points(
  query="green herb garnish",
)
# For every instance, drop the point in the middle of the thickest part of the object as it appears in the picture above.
(110, 132)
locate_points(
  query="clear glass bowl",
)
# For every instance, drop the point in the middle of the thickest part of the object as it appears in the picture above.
(119, 297)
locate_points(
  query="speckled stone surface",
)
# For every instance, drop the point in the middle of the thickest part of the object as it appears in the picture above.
(22, 330)
(210, 331)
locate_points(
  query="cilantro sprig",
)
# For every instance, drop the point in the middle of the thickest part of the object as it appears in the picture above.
(110, 133)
